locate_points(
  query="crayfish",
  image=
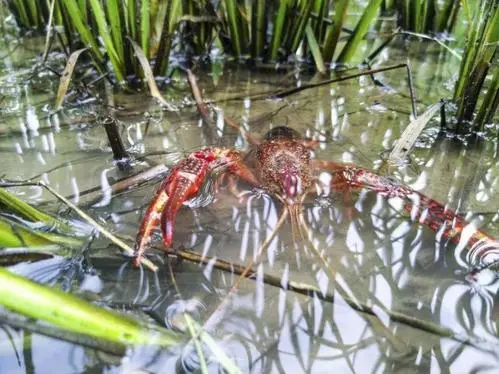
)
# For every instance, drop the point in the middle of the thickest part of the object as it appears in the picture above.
(283, 165)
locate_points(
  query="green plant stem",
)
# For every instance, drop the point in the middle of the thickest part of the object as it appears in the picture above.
(334, 31)
(314, 48)
(360, 31)
(100, 18)
(258, 28)
(71, 313)
(278, 28)
(117, 31)
(17, 206)
(76, 16)
(145, 26)
(234, 21)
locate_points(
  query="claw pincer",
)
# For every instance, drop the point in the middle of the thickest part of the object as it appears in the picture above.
(183, 183)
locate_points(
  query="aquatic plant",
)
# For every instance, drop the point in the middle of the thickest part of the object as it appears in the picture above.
(478, 65)
(425, 16)
(260, 30)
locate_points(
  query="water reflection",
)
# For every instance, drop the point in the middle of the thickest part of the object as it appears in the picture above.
(370, 253)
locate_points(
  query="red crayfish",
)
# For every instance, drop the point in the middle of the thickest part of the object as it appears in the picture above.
(284, 167)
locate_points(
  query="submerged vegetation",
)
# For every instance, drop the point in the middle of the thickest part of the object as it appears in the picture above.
(266, 31)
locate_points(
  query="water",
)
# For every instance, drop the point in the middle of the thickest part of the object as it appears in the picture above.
(376, 255)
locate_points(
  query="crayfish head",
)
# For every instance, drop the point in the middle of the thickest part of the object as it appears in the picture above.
(292, 181)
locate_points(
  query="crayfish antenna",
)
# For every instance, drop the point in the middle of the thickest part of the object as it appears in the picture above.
(296, 217)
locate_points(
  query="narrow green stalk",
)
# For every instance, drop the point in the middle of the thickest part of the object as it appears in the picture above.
(73, 314)
(479, 52)
(34, 6)
(83, 9)
(234, 21)
(117, 31)
(169, 24)
(490, 102)
(132, 19)
(407, 14)
(258, 27)
(154, 6)
(416, 15)
(100, 18)
(334, 31)
(76, 17)
(278, 28)
(21, 10)
(360, 31)
(446, 15)
(298, 28)
(15, 235)
(425, 14)
(389, 5)
(321, 9)
(145, 26)
(314, 48)
(19, 207)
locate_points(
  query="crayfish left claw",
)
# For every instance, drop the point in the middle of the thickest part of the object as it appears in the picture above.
(182, 184)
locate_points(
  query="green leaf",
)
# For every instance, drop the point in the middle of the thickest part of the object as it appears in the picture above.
(360, 31)
(100, 18)
(73, 314)
(78, 21)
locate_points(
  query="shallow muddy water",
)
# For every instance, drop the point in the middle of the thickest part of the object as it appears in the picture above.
(371, 254)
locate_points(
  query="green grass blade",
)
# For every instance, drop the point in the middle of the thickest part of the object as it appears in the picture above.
(446, 14)
(74, 12)
(117, 31)
(334, 31)
(73, 314)
(228, 365)
(416, 15)
(145, 26)
(360, 31)
(471, 54)
(23, 209)
(258, 28)
(132, 19)
(303, 20)
(19, 7)
(490, 102)
(83, 9)
(15, 235)
(33, 12)
(234, 21)
(169, 23)
(314, 48)
(100, 18)
(278, 28)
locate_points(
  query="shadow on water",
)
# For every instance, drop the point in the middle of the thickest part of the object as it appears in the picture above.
(375, 254)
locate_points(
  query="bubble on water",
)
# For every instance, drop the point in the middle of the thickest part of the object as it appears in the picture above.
(174, 315)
